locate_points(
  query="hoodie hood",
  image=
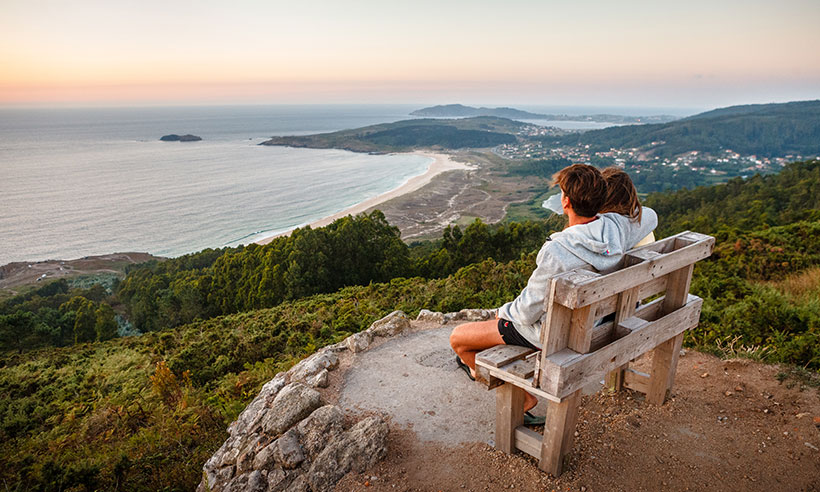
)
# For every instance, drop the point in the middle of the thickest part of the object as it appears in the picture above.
(602, 242)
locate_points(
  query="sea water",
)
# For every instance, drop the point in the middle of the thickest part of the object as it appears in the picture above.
(79, 182)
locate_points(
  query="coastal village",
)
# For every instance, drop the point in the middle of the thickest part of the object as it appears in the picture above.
(725, 163)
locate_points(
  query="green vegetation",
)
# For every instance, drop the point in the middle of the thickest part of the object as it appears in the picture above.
(145, 412)
(407, 135)
(768, 130)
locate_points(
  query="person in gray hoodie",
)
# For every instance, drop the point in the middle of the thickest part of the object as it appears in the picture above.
(590, 239)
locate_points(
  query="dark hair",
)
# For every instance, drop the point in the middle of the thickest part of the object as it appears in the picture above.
(584, 186)
(621, 195)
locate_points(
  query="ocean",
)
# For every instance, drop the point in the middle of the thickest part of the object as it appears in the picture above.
(81, 182)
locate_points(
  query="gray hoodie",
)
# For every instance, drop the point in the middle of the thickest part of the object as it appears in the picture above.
(600, 243)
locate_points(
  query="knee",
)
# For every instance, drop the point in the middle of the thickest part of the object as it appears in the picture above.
(455, 338)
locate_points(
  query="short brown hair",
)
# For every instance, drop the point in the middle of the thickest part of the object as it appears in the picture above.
(621, 195)
(584, 186)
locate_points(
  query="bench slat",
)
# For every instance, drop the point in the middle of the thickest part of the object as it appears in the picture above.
(523, 369)
(501, 355)
(576, 291)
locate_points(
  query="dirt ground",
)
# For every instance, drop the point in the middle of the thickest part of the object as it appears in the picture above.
(456, 197)
(729, 425)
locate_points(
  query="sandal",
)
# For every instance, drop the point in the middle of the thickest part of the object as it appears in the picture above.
(464, 366)
(530, 419)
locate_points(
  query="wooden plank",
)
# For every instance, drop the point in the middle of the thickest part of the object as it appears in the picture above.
(558, 434)
(665, 356)
(580, 329)
(521, 368)
(526, 384)
(484, 377)
(528, 441)
(626, 307)
(509, 414)
(677, 288)
(664, 364)
(501, 355)
(561, 379)
(637, 381)
(574, 293)
(554, 330)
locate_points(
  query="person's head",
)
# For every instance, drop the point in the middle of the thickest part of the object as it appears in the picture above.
(621, 195)
(584, 187)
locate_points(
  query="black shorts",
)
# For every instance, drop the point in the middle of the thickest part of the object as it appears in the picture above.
(511, 336)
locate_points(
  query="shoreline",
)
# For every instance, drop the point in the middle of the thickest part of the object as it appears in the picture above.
(441, 164)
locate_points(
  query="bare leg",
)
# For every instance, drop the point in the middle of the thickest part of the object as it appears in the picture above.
(469, 339)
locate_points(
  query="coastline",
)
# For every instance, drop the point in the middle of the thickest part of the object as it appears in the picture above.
(441, 164)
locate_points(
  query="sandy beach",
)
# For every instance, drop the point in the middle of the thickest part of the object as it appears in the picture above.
(441, 163)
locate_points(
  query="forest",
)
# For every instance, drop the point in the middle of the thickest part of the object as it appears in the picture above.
(86, 405)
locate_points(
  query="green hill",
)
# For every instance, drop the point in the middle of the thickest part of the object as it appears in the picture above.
(769, 130)
(406, 135)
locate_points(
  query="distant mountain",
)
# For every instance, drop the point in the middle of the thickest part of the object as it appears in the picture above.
(766, 130)
(461, 111)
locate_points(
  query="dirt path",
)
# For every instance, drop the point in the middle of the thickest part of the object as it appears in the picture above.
(730, 425)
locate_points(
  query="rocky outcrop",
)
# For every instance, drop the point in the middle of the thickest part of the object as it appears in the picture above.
(180, 138)
(287, 439)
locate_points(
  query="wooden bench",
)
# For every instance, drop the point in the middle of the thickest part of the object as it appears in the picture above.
(578, 349)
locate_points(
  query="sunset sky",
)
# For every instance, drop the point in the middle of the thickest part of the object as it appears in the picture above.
(647, 53)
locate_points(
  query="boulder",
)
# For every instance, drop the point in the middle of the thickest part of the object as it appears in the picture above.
(288, 452)
(279, 479)
(362, 446)
(314, 364)
(321, 427)
(391, 325)
(320, 380)
(476, 314)
(248, 420)
(431, 316)
(358, 342)
(295, 402)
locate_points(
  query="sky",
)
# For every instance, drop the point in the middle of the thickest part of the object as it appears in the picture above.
(696, 53)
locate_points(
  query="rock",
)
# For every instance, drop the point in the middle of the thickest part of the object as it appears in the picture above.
(357, 449)
(321, 427)
(248, 421)
(391, 325)
(300, 484)
(313, 365)
(279, 479)
(359, 342)
(216, 479)
(264, 458)
(432, 316)
(180, 138)
(288, 452)
(452, 317)
(257, 482)
(295, 402)
(337, 347)
(248, 448)
(320, 380)
(476, 314)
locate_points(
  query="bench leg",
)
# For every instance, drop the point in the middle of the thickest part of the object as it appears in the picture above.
(664, 366)
(558, 434)
(509, 414)
(615, 379)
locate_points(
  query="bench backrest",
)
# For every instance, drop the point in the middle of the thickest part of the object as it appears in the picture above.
(577, 347)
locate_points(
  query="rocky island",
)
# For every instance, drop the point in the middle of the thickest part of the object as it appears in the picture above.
(180, 138)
